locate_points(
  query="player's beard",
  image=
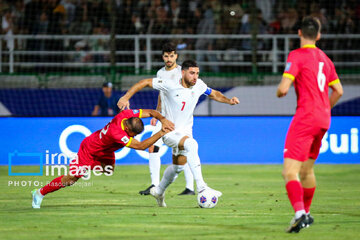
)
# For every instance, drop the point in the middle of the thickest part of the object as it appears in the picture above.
(169, 64)
(188, 82)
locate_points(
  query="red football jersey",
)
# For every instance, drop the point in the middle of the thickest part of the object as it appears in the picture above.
(102, 144)
(312, 72)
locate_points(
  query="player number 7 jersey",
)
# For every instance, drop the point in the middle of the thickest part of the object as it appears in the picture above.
(179, 102)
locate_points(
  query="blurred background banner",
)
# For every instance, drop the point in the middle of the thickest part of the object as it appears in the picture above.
(62, 61)
(222, 140)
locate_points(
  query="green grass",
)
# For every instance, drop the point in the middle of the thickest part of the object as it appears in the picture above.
(254, 206)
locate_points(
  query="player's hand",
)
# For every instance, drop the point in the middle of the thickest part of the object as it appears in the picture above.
(123, 104)
(167, 125)
(164, 131)
(234, 101)
(153, 121)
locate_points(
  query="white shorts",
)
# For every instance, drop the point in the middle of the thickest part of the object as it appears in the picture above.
(172, 139)
(157, 128)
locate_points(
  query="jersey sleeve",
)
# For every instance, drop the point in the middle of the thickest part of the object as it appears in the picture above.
(292, 66)
(129, 113)
(333, 77)
(123, 140)
(203, 88)
(160, 84)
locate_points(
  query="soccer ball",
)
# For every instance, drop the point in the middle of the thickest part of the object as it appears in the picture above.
(207, 199)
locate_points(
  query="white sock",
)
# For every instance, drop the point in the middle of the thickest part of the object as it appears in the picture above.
(299, 213)
(154, 167)
(191, 147)
(189, 179)
(170, 174)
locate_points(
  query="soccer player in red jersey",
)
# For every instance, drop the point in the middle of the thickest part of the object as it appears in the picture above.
(312, 72)
(97, 150)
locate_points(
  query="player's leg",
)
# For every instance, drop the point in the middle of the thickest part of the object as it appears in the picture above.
(191, 147)
(293, 185)
(154, 162)
(307, 174)
(154, 168)
(295, 193)
(54, 185)
(308, 181)
(189, 179)
(170, 174)
(297, 148)
(77, 169)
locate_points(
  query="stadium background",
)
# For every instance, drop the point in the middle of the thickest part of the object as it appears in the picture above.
(55, 55)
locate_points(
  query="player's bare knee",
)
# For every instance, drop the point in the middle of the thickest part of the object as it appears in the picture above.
(289, 175)
(179, 160)
(69, 180)
(151, 149)
(305, 173)
(182, 142)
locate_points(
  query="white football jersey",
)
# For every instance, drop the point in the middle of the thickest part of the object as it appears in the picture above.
(179, 102)
(173, 75)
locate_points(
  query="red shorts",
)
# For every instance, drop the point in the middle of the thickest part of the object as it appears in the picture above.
(86, 162)
(303, 141)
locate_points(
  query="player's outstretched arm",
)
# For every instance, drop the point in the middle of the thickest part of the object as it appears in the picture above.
(283, 87)
(123, 102)
(135, 144)
(166, 124)
(219, 97)
(158, 108)
(337, 92)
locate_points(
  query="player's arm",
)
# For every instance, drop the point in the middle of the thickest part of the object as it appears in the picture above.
(219, 97)
(135, 144)
(166, 124)
(158, 108)
(123, 102)
(337, 92)
(95, 112)
(284, 87)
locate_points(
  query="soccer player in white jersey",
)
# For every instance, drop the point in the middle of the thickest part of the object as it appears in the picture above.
(179, 101)
(170, 71)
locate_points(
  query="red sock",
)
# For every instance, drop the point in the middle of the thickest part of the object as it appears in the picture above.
(54, 185)
(295, 194)
(308, 196)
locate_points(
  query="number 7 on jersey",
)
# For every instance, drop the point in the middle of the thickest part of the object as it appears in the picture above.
(183, 105)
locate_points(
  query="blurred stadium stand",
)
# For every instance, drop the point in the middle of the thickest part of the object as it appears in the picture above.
(55, 55)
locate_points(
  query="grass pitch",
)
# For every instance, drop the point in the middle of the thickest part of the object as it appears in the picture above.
(254, 205)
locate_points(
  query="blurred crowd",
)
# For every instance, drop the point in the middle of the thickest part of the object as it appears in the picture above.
(82, 17)
(173, 16)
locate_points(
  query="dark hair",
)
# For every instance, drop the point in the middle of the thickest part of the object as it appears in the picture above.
(136, 125)
(310, 27)
(188, 64)
(107, 84)
(168, 47)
